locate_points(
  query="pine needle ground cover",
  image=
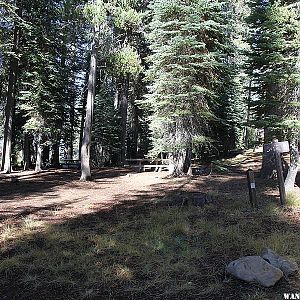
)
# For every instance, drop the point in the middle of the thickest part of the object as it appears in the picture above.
(151, 248)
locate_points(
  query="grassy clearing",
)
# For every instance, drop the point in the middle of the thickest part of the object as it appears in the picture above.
(153, 251)
(158, 253)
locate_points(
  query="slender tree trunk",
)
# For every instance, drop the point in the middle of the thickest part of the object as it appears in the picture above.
(135, 130)
(72, 121)
(39, 149)
(123, 108)
(246, 137)
(55, 156)
(27, 161)
(10, 105)
(293, 169)
(87, 130)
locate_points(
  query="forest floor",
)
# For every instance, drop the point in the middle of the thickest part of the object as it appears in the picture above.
(129, 235)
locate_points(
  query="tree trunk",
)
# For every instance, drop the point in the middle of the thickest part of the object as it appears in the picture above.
(27, 160)
(39, 149)
(135, 130)
(188, 161)
(176, 163)
(293, 169)
(268, 161)
(10, 104)
(55, 155)
(123, 109)
(87, 130)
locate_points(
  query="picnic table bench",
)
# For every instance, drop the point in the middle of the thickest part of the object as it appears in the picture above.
(70, 164)
(143, 164)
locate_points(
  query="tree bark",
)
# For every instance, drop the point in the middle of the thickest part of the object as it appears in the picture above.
(10, 104)
(87, 130)
(176, 163)
(123, 109)
(39, 149)
(135, 130)
(55, 155)
(27, 160)
(293, 169)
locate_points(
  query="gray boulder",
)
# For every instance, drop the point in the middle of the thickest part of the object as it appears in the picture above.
(254, 269)
(287, 266)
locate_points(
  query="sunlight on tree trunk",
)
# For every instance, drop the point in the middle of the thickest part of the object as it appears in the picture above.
(86, 137)
(10, 106)
(293, 169)
(38, 163)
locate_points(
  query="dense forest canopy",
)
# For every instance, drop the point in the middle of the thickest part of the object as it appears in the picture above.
(104, 81)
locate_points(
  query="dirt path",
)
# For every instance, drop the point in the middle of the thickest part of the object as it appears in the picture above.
(57, 195)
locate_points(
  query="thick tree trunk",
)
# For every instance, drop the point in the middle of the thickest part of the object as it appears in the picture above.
(293, 169)
(187, 167)
(39, 149)
(10, 105)
(87, 130)
(268, 160)
(176, 163)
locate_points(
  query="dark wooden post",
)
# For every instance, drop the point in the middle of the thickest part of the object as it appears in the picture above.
(280, 178)
(252, 188)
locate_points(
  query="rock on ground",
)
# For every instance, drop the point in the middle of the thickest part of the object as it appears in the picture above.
(255, 269)
(287, 266)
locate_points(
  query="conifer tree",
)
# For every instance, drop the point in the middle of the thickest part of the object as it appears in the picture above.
(186, 40)
(274, 62)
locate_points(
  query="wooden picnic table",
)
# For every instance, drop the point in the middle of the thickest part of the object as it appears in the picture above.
(69, 163)
(157, 163)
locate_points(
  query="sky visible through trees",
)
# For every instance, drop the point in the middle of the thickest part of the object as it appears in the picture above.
(105, 81)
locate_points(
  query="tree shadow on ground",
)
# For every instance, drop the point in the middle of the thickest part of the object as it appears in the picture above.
(28, 184)
(145, 247)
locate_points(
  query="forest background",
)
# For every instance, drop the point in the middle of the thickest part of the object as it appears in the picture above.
(104, 81)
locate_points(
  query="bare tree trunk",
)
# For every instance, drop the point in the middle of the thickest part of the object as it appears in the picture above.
(87, 130)
(293, 169)
(39, 149)
(187, 167)
(55, 156)
(27, 161)
(123, 109)
(176, 163)
(135, 129)
(10, 105)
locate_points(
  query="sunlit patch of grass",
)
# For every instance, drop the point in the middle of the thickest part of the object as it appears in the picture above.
(285, 243)
(29, 223)
(123, 273)
(293, 199)
(8, 232)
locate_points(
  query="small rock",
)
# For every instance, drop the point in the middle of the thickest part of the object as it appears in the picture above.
(287, 266)
(254, 269)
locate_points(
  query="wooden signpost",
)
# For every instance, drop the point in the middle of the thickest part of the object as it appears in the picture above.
(275, 149)
(252, 189)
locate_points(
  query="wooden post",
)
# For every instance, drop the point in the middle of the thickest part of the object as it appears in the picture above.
(280, 178)
(252, 188)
